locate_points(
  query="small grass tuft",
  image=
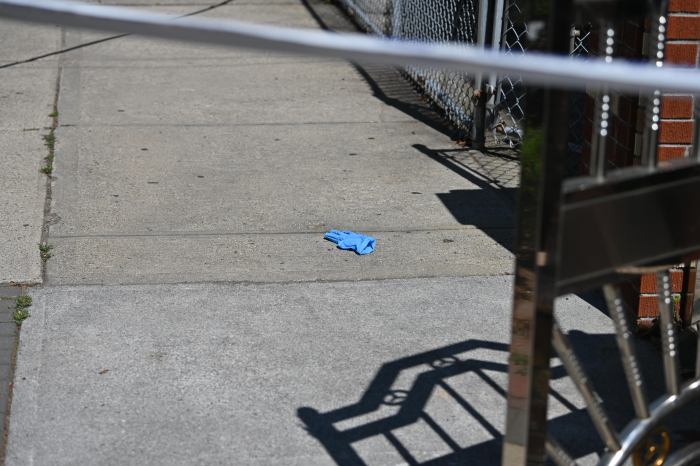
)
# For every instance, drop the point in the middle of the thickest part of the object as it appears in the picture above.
(50, 143)
(21, 312)
(24, 301)
(53, 114)
(50, 140)
(45, 251)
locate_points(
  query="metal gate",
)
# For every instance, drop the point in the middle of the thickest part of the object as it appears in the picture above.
(574, 233)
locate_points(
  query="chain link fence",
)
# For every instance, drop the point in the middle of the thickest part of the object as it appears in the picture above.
(510, 93)
(454, 93)
(453, 21)
(578, 123)
(428, 21)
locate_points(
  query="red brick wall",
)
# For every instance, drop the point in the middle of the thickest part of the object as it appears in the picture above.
(683, 42)
(675, 139)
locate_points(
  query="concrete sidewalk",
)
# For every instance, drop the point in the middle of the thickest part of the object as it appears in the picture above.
(192, 312)
(391, 372)
(178, 164)
(27, 95)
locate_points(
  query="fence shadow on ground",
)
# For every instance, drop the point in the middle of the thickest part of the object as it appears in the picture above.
(447, 406)
(491, 207)
(386, 82)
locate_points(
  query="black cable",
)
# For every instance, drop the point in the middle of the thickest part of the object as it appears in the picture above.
(105, 39)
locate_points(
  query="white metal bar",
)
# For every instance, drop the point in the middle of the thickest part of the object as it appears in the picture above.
(396, 24)
(497, 34)
(537, 68)
(481, 35)
(627, 351)
(578, 375)
(557, 453)
(669, 340)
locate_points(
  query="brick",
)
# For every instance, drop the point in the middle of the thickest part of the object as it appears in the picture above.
(683, 27)
(684, 6)
(668, 153)
(682, 54)
(649, 307)
(676, 132)
(677, 106)
(648, 283)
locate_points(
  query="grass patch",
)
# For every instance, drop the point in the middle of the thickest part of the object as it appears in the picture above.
(21, 308)
(20, 314)
(50, 143)
(45, 251)
(23, 301)
(50, 140)
(53, 114)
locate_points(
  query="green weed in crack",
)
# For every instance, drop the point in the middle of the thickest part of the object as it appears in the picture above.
(45, 251)
(50, 143)
(21, 308)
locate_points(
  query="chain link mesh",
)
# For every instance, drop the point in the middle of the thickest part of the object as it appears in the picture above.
(434, 21)
(579, 47)
(510, 95)
(457, 21)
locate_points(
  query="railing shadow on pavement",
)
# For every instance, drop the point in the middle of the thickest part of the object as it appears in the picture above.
(456, 394)
(491, 207)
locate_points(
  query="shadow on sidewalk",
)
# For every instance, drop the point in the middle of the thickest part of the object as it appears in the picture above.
(491, 207)
(386, 82)
(497, 171)
(429, 408)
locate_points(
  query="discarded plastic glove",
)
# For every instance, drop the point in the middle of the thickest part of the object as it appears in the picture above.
(361, 244)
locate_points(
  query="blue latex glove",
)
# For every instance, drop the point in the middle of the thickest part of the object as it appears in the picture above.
(361, 244)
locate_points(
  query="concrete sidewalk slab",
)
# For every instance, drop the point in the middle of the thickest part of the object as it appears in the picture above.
(135, 49)
(22, 207)
(282, 257)
(249, 179)
(27, 94)
(239, 164)
(187, 3)
(220, 374)
(28, 40)
(27, 98)
(223, 95)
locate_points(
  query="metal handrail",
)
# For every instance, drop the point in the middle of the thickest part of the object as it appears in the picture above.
(537, 68)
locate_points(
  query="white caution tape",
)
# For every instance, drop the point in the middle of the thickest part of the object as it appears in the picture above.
(536, 68)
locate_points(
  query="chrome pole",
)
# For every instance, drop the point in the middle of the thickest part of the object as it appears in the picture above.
(669, 340)
(556, 453)
(580, 378)
(628, 353)
(653, 104)
(601, 118)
